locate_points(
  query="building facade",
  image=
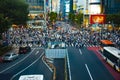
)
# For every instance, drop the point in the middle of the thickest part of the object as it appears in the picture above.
(65, 8)
(37, 13)
(111, 6)
(62, 9)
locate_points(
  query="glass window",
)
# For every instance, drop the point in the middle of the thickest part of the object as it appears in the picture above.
(110, 56)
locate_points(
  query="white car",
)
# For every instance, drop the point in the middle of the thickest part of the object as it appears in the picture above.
(10, 56)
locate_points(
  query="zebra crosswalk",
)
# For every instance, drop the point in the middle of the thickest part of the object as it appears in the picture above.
(85, 45)
(91, 45)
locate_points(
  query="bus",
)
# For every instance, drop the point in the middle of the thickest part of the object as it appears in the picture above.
(112, 56)
(105, 43)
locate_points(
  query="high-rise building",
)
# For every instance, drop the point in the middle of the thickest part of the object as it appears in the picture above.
(37, 13)
(62, 8)
(65, 8)
(111, 6)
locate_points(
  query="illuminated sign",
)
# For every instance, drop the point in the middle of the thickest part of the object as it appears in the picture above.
(95, 9)
(74, 6)
(97, 18)
(67, 7)
(94, 1)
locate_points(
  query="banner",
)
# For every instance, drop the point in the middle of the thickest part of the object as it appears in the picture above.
(97, 18)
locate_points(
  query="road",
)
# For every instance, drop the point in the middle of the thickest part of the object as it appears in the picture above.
(84, 65)
(30, 63)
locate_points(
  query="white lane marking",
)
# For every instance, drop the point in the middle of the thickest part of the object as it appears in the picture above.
(89, 72)
(27, 67)
(69, 66)
(36, 52)
(80, 51)
(17, 62)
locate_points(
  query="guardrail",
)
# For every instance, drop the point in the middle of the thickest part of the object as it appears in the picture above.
(51, 66)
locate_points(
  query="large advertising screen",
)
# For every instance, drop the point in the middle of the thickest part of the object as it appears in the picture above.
(97, 18)
(95, 9)
(94, 1)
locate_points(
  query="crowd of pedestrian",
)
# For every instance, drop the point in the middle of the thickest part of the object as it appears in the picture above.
(38, 37)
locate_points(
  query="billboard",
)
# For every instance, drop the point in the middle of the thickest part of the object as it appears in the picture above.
(94, 1)
(95, 9)
(97, 18)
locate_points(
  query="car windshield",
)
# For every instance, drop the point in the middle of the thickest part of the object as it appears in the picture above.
(9, 54)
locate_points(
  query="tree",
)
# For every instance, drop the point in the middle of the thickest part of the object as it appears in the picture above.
(53, 16)
(71, 17)
(12, 12)
(79, 18)
(4, 24)
(76, 18)
(16, 10)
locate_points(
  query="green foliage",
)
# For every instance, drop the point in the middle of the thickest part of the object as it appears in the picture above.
(17, 10)
(4, 24)
(79, 18)
(53, 16)
(76, 18)
(12, 12)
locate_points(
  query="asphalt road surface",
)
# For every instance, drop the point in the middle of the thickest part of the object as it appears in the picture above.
(84, 65)
(30, 63)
